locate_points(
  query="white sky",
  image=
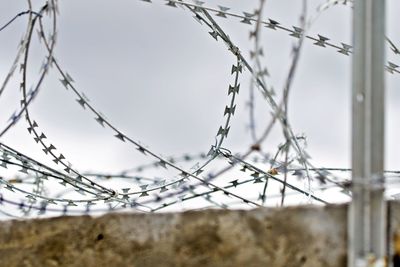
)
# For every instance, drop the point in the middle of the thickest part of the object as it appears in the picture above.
(158, 76)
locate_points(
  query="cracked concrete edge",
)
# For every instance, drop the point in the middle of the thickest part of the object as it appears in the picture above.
(295, 236)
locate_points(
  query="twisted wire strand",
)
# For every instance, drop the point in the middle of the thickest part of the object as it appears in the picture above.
(156, 194)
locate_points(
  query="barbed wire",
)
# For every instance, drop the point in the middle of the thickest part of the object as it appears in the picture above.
(320, 40)
(78, 192)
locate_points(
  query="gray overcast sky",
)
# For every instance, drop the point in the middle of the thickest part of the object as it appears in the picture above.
(159, 77)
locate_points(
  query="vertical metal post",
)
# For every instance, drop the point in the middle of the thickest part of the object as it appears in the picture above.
(367, 213)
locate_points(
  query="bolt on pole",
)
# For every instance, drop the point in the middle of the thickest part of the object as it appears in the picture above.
(367, 213)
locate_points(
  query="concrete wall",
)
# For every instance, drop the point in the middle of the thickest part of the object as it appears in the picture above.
(393, 231)
(303, 236)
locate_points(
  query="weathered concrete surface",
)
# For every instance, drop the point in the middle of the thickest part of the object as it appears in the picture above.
(302, 236)
(394, 233)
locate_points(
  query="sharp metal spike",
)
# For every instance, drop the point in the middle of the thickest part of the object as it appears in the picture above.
(345, 50)
(144, 187)
(163, 189)
(9, 187)
(234, 89)
(60, 158)
(257, 180)
(48, 149)
(236, 69)
(234, 183)
(181, 182)
(120, 136)
(171, 4)
(272, 24)
(198, 18)
(162, 163)
(71, 203)
(247, 18)
(222, 11)
(198, 8)
(391, 67)
(297, 32)
(143, 194)
(223, 132)
(322, 41)
(141, 149)
(230, 110)
(198, 172)
(125, 190)
(100, 120)
(214, 34)
(81, 102)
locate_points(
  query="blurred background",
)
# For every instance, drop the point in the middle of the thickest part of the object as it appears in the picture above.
(156, 75)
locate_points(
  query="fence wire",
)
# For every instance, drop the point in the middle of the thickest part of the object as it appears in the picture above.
(215, 178)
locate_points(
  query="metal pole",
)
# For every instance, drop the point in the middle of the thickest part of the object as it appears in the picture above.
(367, 213)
